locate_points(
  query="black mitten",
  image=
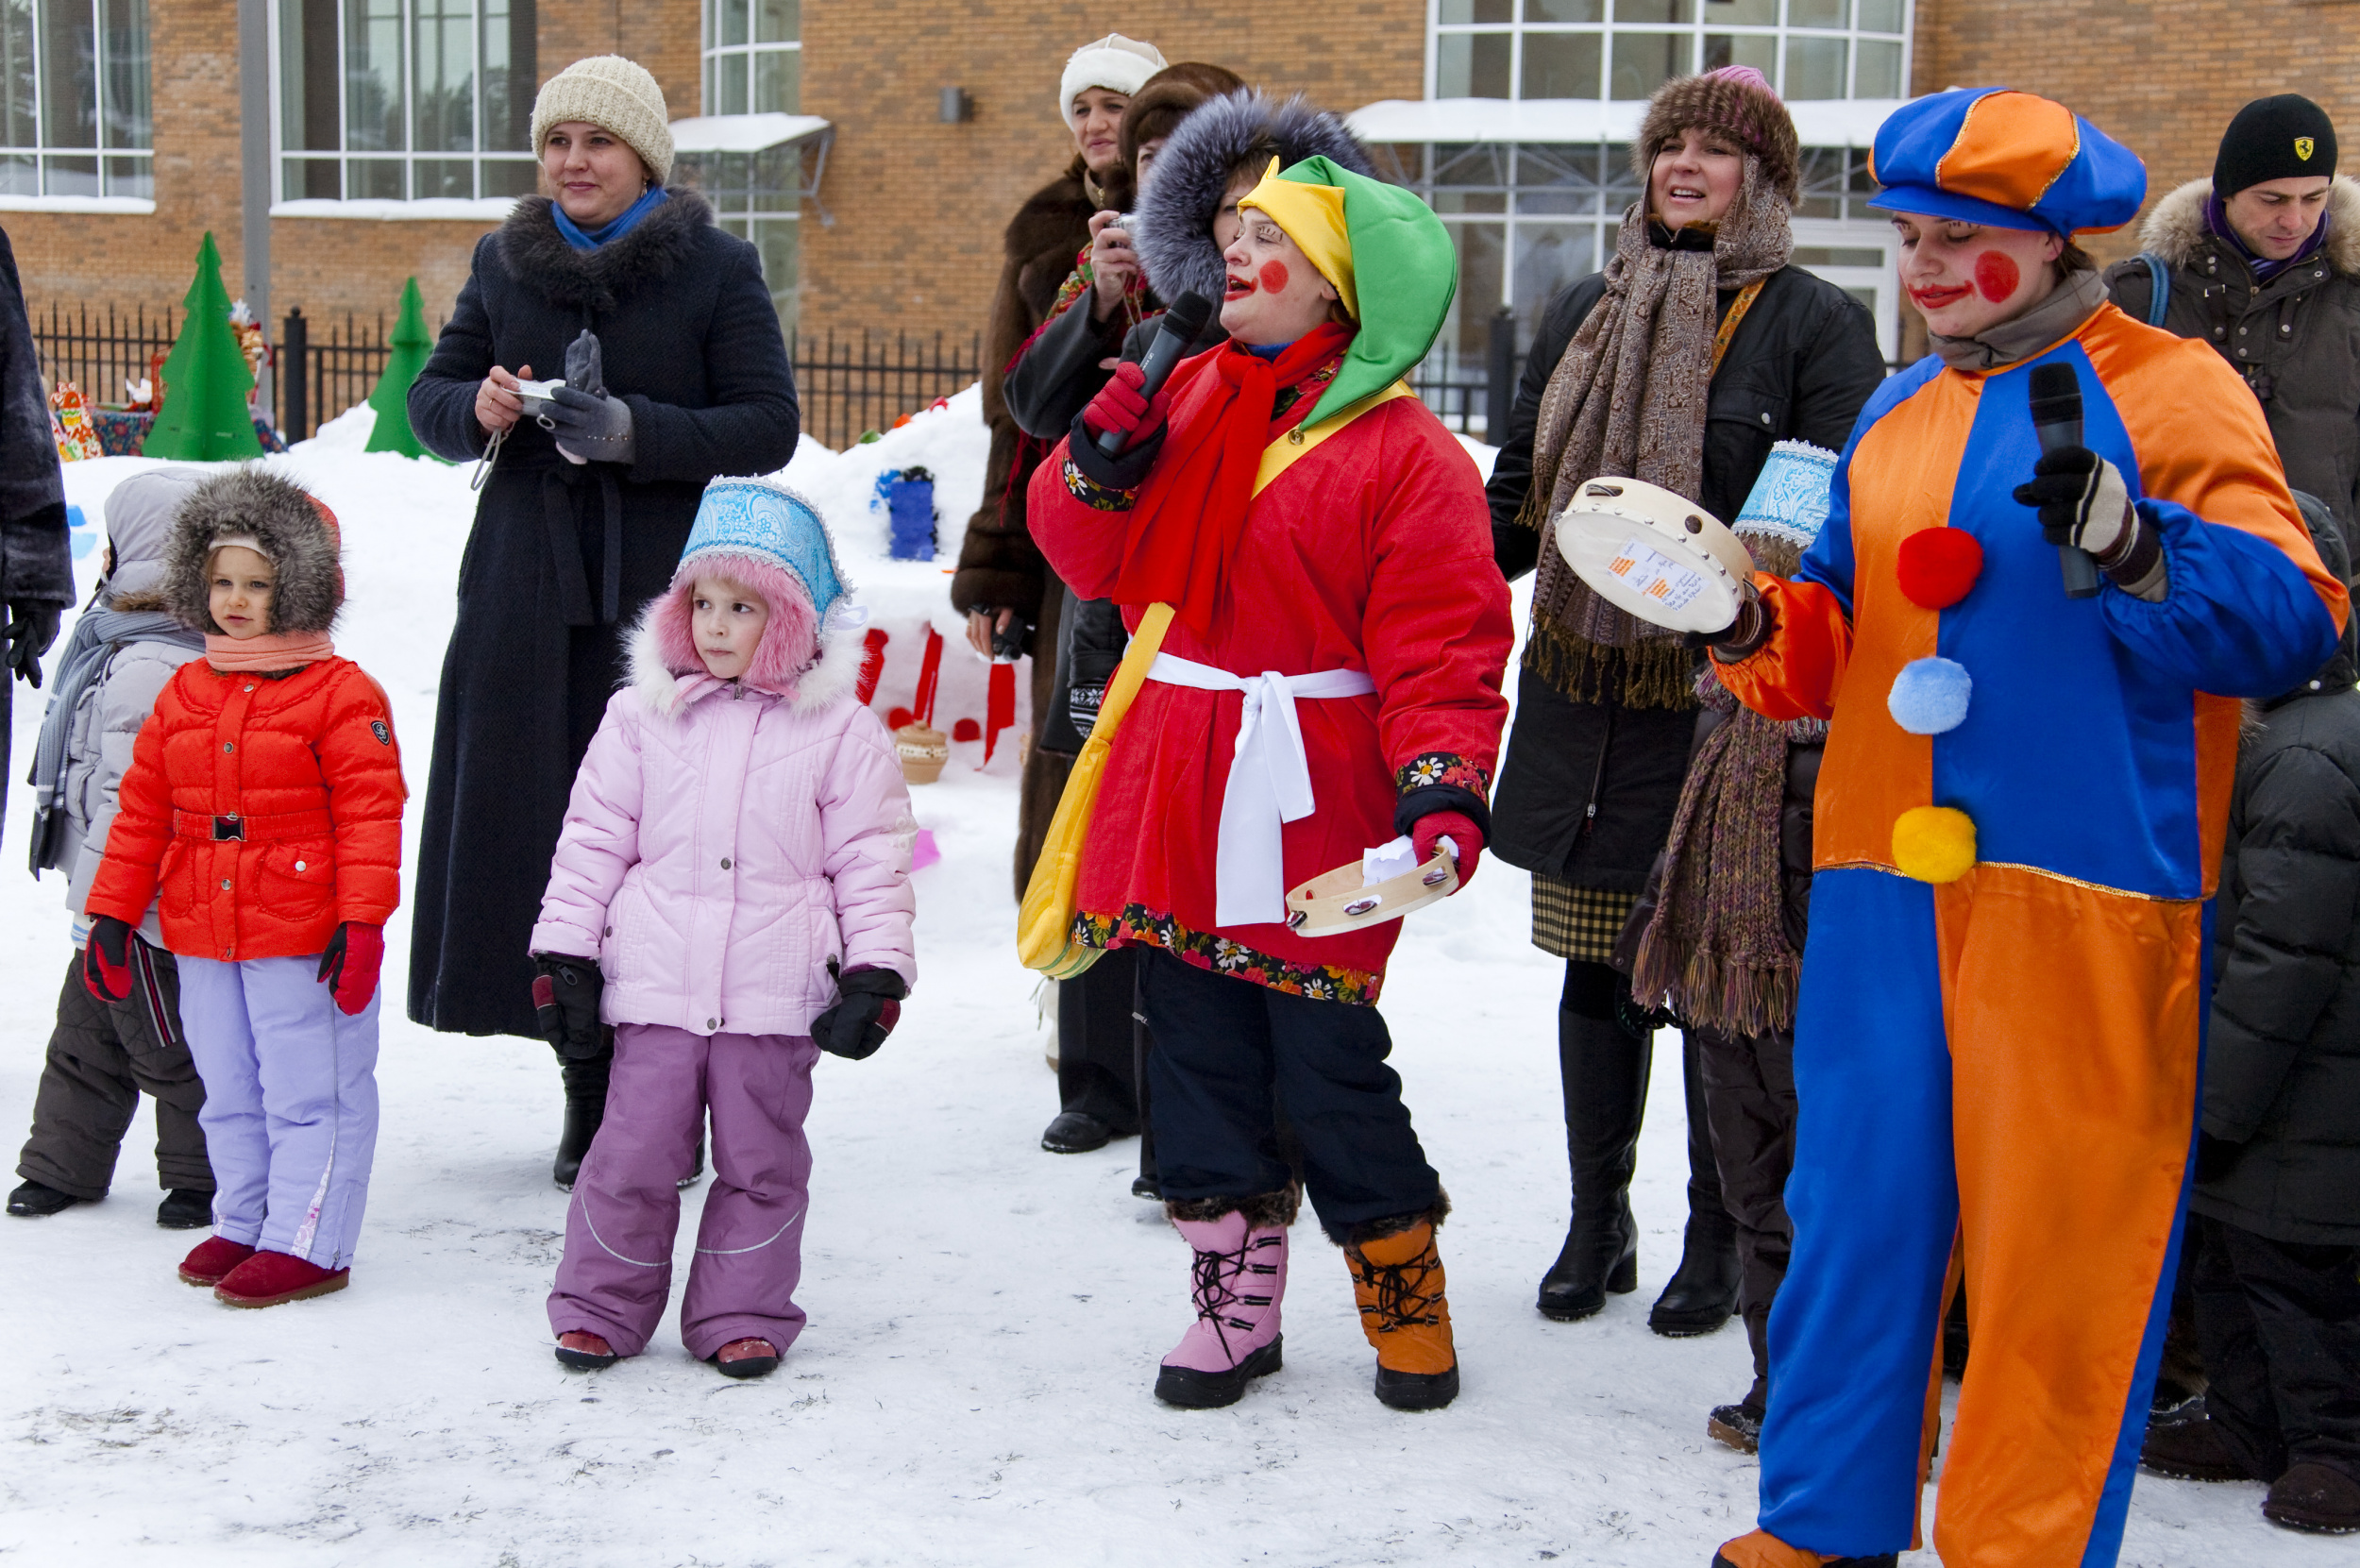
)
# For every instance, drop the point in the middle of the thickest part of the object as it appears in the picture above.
(566, 994)
(868, 1005)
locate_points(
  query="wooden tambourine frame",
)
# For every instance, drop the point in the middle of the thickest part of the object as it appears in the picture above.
(1338, 902)
(1652, 554)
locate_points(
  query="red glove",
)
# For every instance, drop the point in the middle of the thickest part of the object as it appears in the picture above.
(348, 966)
(107, 961)
(1435, 825)
(1119, 406)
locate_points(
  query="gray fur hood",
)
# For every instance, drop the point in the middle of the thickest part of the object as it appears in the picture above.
(285, 522)
(2177, 227)
(1173, 225)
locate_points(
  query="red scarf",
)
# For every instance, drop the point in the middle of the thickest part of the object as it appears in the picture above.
(1192, 510)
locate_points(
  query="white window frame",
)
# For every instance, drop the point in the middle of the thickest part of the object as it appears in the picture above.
(42, 152)
(1436, 29)
(710, 54)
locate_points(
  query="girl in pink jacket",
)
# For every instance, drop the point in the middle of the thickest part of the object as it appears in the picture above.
(730, 894)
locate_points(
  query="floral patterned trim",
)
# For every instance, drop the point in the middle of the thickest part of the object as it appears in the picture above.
(1139, 924)
(1095, 495)
(1443, 767)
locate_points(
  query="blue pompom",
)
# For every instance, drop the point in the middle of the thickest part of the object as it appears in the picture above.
(1930, 695)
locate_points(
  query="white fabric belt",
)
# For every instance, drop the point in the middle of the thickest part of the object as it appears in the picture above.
(1270, 779)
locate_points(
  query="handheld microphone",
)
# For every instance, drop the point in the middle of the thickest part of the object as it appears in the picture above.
(1182, 325)
(2057, 422)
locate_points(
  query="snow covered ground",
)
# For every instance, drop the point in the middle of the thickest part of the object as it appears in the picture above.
(973, 1387)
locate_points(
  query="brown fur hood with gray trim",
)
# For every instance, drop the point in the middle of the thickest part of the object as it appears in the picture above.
(538, 254)
(2177, 227)
(293, 528)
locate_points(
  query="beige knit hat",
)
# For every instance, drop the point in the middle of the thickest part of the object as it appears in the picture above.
(614, 92)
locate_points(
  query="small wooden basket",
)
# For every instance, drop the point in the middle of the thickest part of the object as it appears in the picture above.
(1339, 901)
(924, 752)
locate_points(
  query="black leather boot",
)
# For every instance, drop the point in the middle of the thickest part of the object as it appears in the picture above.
(585, 1108)
(1702, 1292)
(1604, 1067)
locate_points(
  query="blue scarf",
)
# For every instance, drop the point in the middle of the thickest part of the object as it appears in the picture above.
(590, 239)
(2216, 219)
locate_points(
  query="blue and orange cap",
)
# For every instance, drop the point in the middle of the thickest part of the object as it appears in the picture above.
(2012, 159)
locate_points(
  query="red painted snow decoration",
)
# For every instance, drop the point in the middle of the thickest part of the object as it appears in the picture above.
(966, 729)
(929, 677)
(999, 706)
(1937, 567)
(900, 718)
(872, 648)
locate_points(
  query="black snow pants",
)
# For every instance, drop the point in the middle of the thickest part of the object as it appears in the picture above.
(1095, 1045)
(101, 1056)
(2280, 1323)
(1749, 1101)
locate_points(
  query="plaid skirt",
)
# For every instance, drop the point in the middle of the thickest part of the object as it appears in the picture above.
(1577, 922)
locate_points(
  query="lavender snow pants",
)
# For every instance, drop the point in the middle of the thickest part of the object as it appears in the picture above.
(290, 1113)
(617, 1270)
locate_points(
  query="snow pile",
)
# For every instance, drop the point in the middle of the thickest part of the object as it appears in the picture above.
(974, 1388)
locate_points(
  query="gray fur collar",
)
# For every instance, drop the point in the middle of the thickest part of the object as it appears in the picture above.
(2176, 229)
(537, 255)
(1173, 224)
(280, 516)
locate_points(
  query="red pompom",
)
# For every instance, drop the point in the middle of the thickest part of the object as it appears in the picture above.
(1937, 566)
(900, 718)
(966, 729)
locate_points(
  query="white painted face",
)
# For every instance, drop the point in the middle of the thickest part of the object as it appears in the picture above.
(1968, 278)
(1275, 294)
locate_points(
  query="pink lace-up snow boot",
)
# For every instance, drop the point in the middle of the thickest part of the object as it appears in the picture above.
(1237, 1280)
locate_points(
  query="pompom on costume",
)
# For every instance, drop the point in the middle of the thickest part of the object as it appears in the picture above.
(1331, 675)
(2019, 822)
(731, 850)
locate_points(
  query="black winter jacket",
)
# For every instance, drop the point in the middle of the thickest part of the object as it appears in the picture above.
(562, 556)
(1587, 790)
(36, 561)
(2296, 339)
(2281, 1064)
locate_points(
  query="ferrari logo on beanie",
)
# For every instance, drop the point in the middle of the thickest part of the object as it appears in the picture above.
(2302, 147)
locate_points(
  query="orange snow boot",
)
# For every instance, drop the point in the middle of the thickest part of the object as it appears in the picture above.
(1760, 1549)
(1397, 1280)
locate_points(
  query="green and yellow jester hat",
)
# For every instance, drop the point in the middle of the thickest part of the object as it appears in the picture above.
(1384, 251)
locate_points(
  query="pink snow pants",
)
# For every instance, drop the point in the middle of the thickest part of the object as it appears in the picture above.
(617, 1270)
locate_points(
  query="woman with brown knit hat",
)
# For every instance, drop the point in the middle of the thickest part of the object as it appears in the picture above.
(1681, 363)
(676, 372)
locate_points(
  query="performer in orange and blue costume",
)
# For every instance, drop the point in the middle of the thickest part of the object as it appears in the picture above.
(2018, 822)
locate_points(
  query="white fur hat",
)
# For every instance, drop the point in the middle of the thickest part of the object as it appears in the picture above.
(1117, 63)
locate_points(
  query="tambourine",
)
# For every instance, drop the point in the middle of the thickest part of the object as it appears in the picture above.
(1654, 554)
(1343, 900)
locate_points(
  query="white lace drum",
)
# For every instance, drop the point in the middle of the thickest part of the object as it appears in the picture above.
(1652, 553)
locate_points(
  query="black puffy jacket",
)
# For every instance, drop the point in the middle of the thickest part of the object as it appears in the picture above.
(1587, 790)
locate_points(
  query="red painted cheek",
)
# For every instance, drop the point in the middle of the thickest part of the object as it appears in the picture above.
(1273, 277)
(1996, 275)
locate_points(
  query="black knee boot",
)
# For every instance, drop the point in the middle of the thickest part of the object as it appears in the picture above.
(1702, 1291)
(585, 1108)
(1604, 1067)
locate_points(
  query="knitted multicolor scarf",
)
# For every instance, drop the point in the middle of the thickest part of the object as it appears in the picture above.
(1628, 398)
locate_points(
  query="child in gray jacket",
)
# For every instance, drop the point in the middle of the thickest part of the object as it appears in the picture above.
(103, 1055)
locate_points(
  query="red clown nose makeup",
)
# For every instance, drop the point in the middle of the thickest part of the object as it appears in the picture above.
(1996, 274)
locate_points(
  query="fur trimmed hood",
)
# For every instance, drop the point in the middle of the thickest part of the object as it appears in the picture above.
(2177, 227)
(796, 660)
(537, 255)
(1173, 226)
(286, 522)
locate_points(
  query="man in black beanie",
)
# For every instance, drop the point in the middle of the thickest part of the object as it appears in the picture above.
(2263, 261)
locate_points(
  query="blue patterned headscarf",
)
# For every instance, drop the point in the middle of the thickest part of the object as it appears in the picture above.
(766, 520)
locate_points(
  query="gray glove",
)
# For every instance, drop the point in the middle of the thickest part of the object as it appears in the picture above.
(590, 424)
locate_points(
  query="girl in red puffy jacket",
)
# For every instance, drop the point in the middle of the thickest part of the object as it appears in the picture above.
(261, 815)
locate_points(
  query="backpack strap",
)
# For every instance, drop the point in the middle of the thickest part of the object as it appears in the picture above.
(2159, 287)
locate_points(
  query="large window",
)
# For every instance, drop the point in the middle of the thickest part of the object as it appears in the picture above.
(74, 99)
(753, 57)
(406, 100)
(1625, 49)
(756, 196)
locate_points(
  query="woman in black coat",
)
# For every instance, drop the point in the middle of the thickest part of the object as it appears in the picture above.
(563, 553)
(1604, 722)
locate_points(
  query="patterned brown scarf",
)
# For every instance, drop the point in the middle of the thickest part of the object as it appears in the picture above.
(1716, 951)
(1628, 398)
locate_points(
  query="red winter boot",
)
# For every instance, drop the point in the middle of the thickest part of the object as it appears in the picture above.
(268, 1278)
(211, 1260)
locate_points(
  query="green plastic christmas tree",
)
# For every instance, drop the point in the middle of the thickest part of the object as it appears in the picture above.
(205, 418)
(411, 344)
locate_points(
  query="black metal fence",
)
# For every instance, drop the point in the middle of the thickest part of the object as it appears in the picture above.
(853, 385)
(318, 381)
(99, 353)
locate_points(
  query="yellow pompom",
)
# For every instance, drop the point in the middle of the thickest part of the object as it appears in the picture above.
(1934, 843)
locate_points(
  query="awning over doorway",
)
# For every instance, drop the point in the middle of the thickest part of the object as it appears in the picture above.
(743, 133)
(1820, 122)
